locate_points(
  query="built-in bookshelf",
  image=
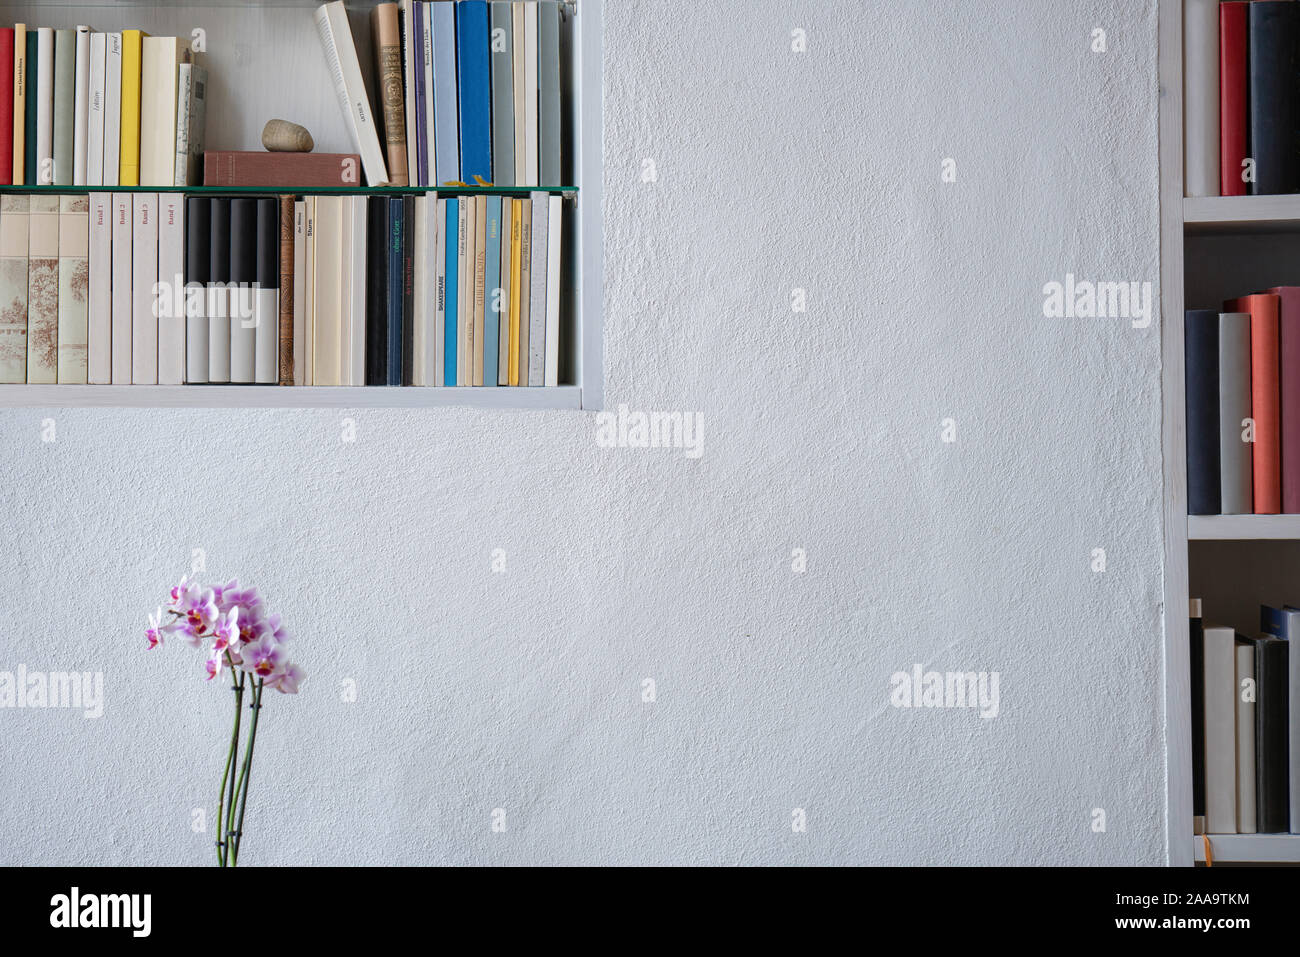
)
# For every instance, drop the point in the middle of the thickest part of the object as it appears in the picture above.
(265, 60)
(1212, 248)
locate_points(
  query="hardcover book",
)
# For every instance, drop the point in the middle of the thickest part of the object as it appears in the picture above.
(81, 107)
(65, 71)
(113, 86)
(144, 281)
(267, 295)
(1234, 108)
(345, 72)
(7, 78)
(387, 34)
(121, 287)
(160, 64)
(95, 91)
(475, 87)
(1234, 413)
(1220, 731)
(243, 276)
(13, 287)
(74, 288)
(1274, 31)
(301, 171)
(219, 294)
(1266, 461)
(20, 84)
(198, 266)
(43, 290)
(1245, 704)
(172, 318)
(132, 52)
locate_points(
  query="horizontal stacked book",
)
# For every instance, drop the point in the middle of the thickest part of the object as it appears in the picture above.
(1242, 101)
(1246, 725)
(82, 108)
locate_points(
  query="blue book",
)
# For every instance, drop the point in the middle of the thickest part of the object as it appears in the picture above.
(492, 284)
(396, 286)
(416, 71)
(446, 125)
(475, 90)
(453, 309)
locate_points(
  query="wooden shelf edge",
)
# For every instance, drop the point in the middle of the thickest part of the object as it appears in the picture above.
(284, 397)
(1241, 213)
(1243, 528)
(1249, 848)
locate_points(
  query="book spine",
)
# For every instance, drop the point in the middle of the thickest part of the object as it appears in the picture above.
(437, 365)
(358, 290)
(21, 80)
(451, 335)
(345, 286)
(266, 170)
(406, 344)
(14, 231)
(345, 73)
(1220, 732)
(480, 287)
(289, 260)
(396, 287)
(387, 34)
(537, 298)
(184, 89)
(267, 292)
(96, 96)
(1271, 737)
(196, 128)
(475, 88)
(32, 110)
(549, 134)
(492, 292)
(123, 247)
(65, 71)
(160, 58)
(172, 318)
(309, 297)
(412, 32)
(198, 266)
(329, 306)
(74, 288)
(144, 281)
(43, 290)
(532, 157)
(554, 242)
(1264, 404)
(1233, 105)
(1201, 109)
(113, 110)
(219, 293)
(465, 302)
(503, 96)
(503, 317)
(428, 128)
(516, 286)
(423, 274)
(446, 111)
(1274, 29)
(1196, 636)
(1244, 653)
(377, 291)
(45, 175)
(132, 50)
(1234, 412)
(298, 299)
(525, 289)
(6, 106)
(1291, 619)
(99, 335)
(81, 107)
(243, 277)
(1288, 348)
(1201, 345)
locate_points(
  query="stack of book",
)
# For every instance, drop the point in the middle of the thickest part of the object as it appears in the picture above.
(470, 91)
(1243, 405)
(81, 108)
(1246, 725)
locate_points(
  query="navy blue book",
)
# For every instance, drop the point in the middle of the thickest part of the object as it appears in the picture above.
(450, 332)
(408, 291)
(1202, 363)
(377, 291)
(396, 286)
(475, 85)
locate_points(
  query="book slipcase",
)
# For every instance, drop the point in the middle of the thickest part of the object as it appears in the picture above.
(265, 60)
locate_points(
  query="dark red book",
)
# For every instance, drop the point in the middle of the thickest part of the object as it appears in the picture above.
(1288, 351)
(1234, 105)
(6, 106)
(289, 171)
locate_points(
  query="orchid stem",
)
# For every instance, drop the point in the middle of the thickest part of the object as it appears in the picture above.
(246, 774)
(227, 821)
(230, 763)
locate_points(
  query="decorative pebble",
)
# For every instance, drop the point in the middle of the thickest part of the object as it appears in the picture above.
(281, 136)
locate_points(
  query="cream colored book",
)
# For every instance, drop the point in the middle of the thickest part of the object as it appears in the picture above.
(13, 287)
(74, 288)
(309, 293)
(464, 287)
(525, 288)
(43, 290)
(159, 64)
(20, 105)
(480, 284)
(328, 293)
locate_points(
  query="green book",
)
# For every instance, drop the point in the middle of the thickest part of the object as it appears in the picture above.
(29, 121)
(65, 86)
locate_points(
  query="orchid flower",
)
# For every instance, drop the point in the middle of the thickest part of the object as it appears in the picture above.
(286, 682)
(153, 635)
(263, 658)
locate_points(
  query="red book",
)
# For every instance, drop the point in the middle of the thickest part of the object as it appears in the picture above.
(296, 171)
(1234, 108)
(1265, 399)
(1288, 351)
(6, 106)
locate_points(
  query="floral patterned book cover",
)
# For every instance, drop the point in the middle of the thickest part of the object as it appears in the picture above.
(74, 287)
(43, 290)
(13, 289)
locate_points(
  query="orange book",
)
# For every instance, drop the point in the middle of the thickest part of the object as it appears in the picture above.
(1265, 399)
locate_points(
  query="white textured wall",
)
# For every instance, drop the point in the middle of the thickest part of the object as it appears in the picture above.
(523, 690)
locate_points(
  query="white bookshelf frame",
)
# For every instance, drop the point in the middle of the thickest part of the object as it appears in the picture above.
(1180, 218)
(585, 145)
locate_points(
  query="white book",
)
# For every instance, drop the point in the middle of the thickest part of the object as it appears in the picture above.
(345, 294)
(299, 292)
(537, 292)
(1220, 731)
(159, 67)
(431, 178)
(1246, 697)
(555, 237)
(328, 292)
(421, 334)
(184, 87)
(112, 108)
(171, 289)
(521, 118)
(507, 278)
(144, 296)
(123, 216)
(345, 73)
(465, 293)
(81, 104)
(411, 61)
(437, 376)
(1201, 109)
(95, 131)
(356, 286)
(44, 106)
(100, 331)
(530, 94)
(309, 295)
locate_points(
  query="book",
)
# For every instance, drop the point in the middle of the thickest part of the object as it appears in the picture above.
(409, 247)
(1236, 496)
(516, 287)
(74, 288)
(329, 307)
(129, 148)
(198, 269)
(31, 111)
(446, 120)
(480, 288)
(532, 158)
(172, 297)
(1196, 631)
(423, 274)
(159, 68)
(356, 285)
(81, 107)
(95, 93)
(396, 288)
(1234, 108)
(20, 82)
(113, 110)
(64, 116)
(1288, 350)
(554, 242)
(465, 301)
(1271, 738)
(386, 31)
(517, 44)
(492, 292)
(144, 280)
(345, 72)
(377, 243)
(1273, 34)
(506, 277)
(1264, 398)
(411, 29)
(1220, 731)
(244, 314)
(45, 107)
(297, 363)
(451, 308)
(122, 213)
(302, 171)
(43, 289)
(436, 373)
(219, 293)
(503, 94)
(267, 293)
(536, 353)
(549, 133)
(6, 106)
(191, 123)
(13, 287)
(1290, 617)
(345, 286)
(428, 122)
(1244, 655)
(1201, 107)
(526, 234)
(309, 294)
(289, 265)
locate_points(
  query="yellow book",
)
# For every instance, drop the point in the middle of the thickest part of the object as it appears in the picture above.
(516, 219)
(20, 103)
(525, 286)
(132, 45)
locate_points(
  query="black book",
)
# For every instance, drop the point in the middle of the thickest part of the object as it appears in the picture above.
(267, 333)
(1272, 742)
(1274, 32)
(218, 297)
(1197, 629)
(408, 290)
(396, 286)
(377, 291)
(1202, 363)
(243, 276)
(198, 266)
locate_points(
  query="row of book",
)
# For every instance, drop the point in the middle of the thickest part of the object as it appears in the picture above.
(1243, 405)
(83, 108)
(147, 288)
(1246, 725)
(470, 91)
(1242, 106)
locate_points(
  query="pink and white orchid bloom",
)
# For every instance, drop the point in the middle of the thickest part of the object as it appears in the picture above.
(226, 631)
(286, 682)
(153, 635)
(262, 658)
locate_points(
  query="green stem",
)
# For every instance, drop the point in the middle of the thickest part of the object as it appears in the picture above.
(228, 820)
(230, 763)
(245, 774)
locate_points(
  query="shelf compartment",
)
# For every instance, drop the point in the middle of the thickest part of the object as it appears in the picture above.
(1249, 848)
(1241, 214)
(1243, 528)
(285, 397)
